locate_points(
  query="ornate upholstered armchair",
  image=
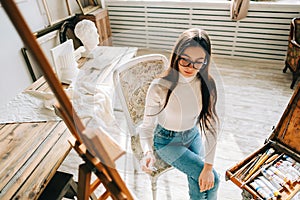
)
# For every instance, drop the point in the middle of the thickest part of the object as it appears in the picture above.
(132, 80)
(293, 52)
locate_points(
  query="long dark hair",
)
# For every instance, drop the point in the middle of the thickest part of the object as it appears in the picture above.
(208, 118)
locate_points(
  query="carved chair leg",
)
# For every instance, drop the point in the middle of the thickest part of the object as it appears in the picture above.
(296, 75)
(154, 187)
(294, 80)
(136, 164)
(285, 67)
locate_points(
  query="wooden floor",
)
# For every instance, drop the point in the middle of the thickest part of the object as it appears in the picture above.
(252, 98)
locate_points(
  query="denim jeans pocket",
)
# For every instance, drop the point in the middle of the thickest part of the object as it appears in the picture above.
(162, 137)
(163, 133)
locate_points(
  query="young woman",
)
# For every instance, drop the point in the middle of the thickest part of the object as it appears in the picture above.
(178, 105)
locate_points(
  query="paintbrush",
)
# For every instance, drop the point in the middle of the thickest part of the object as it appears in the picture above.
(260, 162)
(250, 167)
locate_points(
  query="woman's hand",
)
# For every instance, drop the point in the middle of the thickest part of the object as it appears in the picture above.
(206, 178)
(147, 162)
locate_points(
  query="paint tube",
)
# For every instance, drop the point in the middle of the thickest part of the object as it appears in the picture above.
(260, 190)
(273, 178)
(286, 168)
(265, 188)
(274, 190)
(279, 173)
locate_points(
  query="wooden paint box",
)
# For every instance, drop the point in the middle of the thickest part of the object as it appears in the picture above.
(273, 171)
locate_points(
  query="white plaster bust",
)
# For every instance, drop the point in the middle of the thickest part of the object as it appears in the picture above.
(86, 31)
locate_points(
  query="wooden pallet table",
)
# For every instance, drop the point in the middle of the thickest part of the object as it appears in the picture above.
(30, 154)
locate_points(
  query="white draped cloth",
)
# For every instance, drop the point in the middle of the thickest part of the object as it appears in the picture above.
(91, 93)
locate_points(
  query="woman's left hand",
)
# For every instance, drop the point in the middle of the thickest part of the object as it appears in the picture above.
(206, 178)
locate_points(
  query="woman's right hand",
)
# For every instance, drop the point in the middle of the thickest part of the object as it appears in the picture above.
(147, 162)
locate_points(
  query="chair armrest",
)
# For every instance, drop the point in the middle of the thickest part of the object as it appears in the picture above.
(295, 43)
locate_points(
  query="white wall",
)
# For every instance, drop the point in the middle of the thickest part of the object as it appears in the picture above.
(14, 76)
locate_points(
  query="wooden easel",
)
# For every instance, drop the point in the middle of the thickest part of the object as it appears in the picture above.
(99, 159)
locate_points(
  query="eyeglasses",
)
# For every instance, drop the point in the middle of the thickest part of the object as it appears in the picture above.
(187, 63)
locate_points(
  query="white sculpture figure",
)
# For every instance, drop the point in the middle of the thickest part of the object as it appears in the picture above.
(86, 31)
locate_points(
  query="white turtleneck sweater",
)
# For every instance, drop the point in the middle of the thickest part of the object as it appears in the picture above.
(180, 114)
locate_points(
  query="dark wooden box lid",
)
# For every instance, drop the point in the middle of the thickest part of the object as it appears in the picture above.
(287, 131)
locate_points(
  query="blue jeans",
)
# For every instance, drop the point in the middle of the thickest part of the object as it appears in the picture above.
(182, 150)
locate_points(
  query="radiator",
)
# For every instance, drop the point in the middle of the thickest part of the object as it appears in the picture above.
(157, 25)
